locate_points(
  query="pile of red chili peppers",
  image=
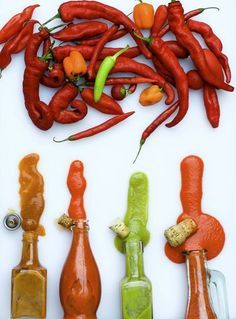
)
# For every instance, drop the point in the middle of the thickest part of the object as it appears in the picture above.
(211, 68)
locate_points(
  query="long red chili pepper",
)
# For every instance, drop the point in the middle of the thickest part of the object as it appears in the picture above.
(171, 63)
(60, 53)
(187, 16)
(34, 44)
(98, 49)
(155, 124)
(39, 112)
(80, 31)
(159, 20)
(185, 37)
(127, 65)
(91, 10)
(213, 43)
(16, 44)
(55, 77)
(128, 80)
(16, 23)
(212, 105)
(97, 129)
(60, 102)
(105, 105)
(93, 41)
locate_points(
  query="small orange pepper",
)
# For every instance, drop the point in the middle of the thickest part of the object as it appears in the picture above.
(144, 15)
(74, 65)
(151, 95)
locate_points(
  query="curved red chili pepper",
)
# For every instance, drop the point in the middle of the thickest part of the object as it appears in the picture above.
(93, 41)
(55, 77)
(81, 30)
(159, 20)
(34, 44)
(212, 105)
(39, 112)
(127, 65)
(62, 99)
(213, 43)
(98, 49)
(16, 23)
(60, 53)
(105, 105)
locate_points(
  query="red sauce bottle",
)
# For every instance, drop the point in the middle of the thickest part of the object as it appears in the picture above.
(80, 285)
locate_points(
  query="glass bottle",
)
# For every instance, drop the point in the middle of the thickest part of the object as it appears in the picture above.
(136, 288)
(80, 285)
(29, 280)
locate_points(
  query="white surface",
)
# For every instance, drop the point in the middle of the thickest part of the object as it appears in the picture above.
(108, 165)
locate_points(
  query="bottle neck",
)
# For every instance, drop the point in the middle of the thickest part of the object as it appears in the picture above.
(30, 250)
(199, 302)
(134, 259)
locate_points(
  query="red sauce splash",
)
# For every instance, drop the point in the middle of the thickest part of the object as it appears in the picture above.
(210, 234)
(76, 184)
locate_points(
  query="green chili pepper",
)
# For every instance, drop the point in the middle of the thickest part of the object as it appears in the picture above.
(107, 64)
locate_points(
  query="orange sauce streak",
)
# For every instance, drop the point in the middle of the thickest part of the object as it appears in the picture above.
(210, 235)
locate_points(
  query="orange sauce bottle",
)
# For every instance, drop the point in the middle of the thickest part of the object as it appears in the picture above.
(29, 278)
(80, 286)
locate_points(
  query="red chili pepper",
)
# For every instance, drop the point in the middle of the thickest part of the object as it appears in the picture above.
(171, 63)
(213, 43)
(16, 44)
(105, 105)
(60, 102)
(97, 129)
(212, 105)
(60, 53)
(91, 10)
(55, 77)
(177, 49)
(80, 31)
(187, 16)
(16, 23)
(155, 124)
(131, 81)
(92, 42)
(195, 82)
(98, 49)
(34, 44)
(39, 112)
(159, 20)
(185, 37)
(127, 65)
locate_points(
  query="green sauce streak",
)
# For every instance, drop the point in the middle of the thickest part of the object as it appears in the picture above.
(136, 216)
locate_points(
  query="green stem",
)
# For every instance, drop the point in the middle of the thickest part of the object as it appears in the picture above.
(115, 56)
(140, 148)
(57, 16)
(57, 141)
(148, 40)
(56, 27)
(203, 9)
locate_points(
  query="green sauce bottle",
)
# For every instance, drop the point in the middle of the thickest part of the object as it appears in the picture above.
(136, 288)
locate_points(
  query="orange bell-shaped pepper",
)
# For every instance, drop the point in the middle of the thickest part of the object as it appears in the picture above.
(74, 65)
(144, 15)
(151, 95)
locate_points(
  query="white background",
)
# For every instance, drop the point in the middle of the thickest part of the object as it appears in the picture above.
(108, 165)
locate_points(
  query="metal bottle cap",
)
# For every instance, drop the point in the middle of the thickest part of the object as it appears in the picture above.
(12, 221)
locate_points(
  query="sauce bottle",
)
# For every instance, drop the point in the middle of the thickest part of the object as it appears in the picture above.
(29, 278)
(136, 288)
(80, 286)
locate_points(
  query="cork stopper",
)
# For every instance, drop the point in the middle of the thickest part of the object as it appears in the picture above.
(178, 234)
(119, 227)
(65, 221)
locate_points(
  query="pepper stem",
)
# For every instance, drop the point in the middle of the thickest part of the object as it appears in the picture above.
(115, 56)
(203, 9)
(142, 141)
(148, 40)
(60, 141)
(57, 16)
(56, 27)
